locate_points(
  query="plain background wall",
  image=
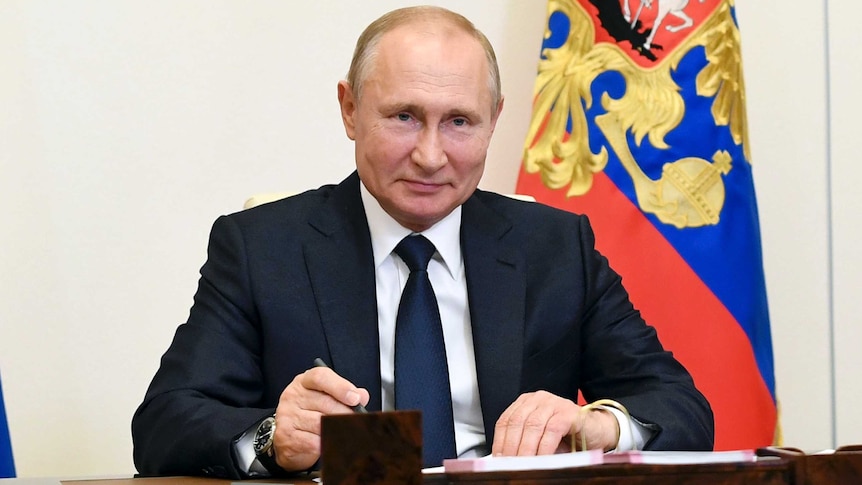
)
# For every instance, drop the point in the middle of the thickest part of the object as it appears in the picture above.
(127, 127)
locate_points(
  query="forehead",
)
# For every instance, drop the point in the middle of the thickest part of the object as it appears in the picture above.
(438, 58)
(433, 43)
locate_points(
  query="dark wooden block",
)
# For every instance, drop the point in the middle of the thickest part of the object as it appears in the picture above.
(843, 466)
(373, 448)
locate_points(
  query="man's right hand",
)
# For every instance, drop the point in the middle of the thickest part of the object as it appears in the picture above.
(316, 392)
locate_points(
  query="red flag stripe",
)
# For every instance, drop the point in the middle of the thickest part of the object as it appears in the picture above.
(686, 314)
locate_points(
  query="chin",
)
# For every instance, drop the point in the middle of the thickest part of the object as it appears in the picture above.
(425, 211)
(421, 220)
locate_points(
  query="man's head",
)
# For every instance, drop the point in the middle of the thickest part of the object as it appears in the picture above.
(421, 102)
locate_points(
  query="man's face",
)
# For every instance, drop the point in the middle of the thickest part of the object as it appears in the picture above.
(423, 123)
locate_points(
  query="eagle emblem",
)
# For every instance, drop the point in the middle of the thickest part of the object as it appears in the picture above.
(636, 50)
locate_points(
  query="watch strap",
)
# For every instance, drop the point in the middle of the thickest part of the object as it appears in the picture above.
(268, 461)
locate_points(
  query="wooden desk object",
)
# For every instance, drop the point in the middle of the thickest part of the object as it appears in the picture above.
(844, 465)
(371, 449)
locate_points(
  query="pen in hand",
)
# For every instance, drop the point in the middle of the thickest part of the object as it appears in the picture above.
(359, 408)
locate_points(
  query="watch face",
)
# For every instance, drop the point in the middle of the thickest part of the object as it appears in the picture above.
(263, 437)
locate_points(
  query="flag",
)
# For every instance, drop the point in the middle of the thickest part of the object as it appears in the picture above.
(639, 122)
(7, 464)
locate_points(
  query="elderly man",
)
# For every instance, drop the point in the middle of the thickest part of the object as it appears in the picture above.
(516, 311)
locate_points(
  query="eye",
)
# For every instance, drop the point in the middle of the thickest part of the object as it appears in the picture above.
(403, 117)
(459, 122)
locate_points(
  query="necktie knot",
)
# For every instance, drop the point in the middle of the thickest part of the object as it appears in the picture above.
(416, 251)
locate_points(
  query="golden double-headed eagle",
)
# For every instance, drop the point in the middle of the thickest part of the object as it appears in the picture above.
(690, 192)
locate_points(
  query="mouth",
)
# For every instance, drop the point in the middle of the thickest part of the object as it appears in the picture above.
(421, 186)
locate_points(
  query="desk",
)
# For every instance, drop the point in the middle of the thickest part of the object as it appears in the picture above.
(775, 467)
(146, 481)
(771, 471)
(842, 466)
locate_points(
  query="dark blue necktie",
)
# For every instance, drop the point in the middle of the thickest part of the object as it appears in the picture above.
(421, 373)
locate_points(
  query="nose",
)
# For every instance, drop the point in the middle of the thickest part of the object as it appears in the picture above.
(428, 152)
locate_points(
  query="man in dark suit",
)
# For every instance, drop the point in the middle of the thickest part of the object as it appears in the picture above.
(530, 312)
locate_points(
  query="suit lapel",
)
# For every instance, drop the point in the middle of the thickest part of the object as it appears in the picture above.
(341, 269)
(496, 289)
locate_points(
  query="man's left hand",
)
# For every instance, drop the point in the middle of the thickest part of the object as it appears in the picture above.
(541, 423)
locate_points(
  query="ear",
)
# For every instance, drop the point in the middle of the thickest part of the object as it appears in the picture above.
(348, 108)
(497, 114)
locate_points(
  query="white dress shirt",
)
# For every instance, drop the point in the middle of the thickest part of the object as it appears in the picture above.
(446, 272)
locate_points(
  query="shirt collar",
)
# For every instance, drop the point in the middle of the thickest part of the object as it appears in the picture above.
(386, 233)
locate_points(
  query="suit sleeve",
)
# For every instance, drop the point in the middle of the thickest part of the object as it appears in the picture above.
(207, 390)
(654, 387)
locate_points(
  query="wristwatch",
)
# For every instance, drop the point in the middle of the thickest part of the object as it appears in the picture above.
(263, 445)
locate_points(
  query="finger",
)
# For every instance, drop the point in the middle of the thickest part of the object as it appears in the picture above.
(535, 432)
(364, 396)
(500, 430)
(511, 425)
(557, 429)
(343, 393)
(500, 433)
(297, 397)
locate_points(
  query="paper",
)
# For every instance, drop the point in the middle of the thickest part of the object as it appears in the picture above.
(591, 457)
(517, 463)
(680, 457)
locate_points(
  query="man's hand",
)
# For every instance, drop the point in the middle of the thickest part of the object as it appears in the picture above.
(316, 392)
(541, 423)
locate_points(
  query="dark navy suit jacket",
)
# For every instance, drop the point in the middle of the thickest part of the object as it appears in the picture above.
(293, 280)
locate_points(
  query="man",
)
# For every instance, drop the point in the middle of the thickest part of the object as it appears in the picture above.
(530, 312)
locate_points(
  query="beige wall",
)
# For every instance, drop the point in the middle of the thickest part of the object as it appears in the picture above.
(127, 126)
(844, 76)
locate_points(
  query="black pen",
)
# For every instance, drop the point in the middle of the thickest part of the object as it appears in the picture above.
(359, 408)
